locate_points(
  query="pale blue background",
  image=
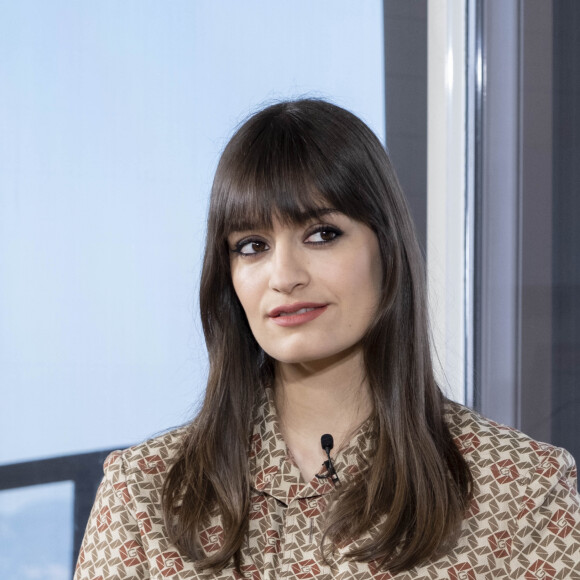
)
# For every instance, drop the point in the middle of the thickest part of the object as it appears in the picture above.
(112, 116)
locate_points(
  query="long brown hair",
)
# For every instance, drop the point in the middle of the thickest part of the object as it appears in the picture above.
(288, 161)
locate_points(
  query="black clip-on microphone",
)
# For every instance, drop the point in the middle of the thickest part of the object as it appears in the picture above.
(327, 443)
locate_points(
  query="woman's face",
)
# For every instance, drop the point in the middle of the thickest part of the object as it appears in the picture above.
(309, 291)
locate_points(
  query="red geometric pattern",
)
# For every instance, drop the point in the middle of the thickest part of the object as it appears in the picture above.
(259, 507)
(265, 477)
(293, 491)
(467, 442)
(305, 569)
(113, 457)
(540, 570)
(211, 539)
(144, 522)
(523, 521)
(310, 507)
(542, 449)
(273, 542)
(122, 492)
(549, 467)
(132, 553)
(562, 523)
(505, 471)
(322, 486)
(461, 572)
(151, 464)
(169, 564)
(104, 519)
(528, 505)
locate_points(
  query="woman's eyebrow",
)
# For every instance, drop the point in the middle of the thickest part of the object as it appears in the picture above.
(316, 213)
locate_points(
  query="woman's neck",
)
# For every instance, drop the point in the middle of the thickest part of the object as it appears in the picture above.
(317, 398)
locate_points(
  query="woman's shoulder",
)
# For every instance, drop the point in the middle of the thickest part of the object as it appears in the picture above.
(148, 460)
(525, 505)
(504, 454)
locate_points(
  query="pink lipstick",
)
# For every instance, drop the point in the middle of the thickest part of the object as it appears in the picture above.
(298, 313)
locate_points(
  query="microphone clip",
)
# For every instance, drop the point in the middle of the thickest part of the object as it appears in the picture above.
(327, 443)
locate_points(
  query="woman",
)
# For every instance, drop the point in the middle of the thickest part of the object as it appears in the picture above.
(314, 314)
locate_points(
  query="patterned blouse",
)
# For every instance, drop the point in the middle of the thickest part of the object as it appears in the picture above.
(524, 522)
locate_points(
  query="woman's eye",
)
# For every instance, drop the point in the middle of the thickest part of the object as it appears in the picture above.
(323, 235)
(250, 247)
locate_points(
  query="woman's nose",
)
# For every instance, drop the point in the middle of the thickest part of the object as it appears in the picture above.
(289, 269)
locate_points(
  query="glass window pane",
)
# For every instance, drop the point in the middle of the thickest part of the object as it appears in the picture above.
(36, 532)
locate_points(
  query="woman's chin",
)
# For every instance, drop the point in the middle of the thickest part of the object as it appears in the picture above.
(317, 360)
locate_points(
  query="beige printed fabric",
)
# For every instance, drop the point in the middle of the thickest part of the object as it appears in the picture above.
(524, 521)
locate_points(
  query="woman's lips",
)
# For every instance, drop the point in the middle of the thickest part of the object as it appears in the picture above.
(295, 314)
